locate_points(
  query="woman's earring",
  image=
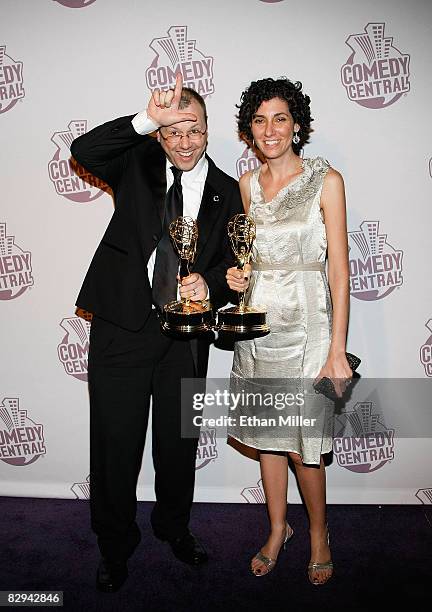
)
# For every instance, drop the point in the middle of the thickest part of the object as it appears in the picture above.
(296, 137)
(253, 143)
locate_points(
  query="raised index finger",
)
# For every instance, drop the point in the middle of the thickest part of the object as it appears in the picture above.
(177, 90)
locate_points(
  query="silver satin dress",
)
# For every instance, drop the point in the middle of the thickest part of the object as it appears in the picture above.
(289, 280)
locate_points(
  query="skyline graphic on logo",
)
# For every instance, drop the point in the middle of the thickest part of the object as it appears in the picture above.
(376, 74)
(362, 444)
(16, 274)
(375, 266)
(176, 53)
(206, 451)
(424, 495)
(247, 161)
(426, 351)
(70, 179)
(21, 439)
(75, 3)
(11, 81)
(254, 495)
(73, 349)
(81, 490)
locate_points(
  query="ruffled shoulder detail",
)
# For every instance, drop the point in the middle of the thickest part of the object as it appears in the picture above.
(299, 191)
(318, 164)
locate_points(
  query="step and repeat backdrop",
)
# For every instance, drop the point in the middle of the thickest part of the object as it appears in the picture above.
(69, 65)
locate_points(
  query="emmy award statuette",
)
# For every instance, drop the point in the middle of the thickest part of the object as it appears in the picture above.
(186, 317)
(244, 321)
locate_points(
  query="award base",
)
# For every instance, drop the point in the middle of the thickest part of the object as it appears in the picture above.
(247, 322)
(181, 319)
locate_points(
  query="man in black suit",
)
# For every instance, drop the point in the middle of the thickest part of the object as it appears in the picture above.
(130, 359)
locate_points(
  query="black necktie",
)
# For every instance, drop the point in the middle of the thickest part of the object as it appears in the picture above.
(164, 286)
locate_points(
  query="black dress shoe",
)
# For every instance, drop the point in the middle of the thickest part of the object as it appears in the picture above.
(110, 576)
(188, 549)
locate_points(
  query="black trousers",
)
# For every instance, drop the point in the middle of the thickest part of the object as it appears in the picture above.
(125, 370)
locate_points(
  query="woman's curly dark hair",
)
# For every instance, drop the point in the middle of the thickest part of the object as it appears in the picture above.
(267, 89)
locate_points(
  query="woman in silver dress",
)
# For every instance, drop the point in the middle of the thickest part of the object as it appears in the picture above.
(298, 206)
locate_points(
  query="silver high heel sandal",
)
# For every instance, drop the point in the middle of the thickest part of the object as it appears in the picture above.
(314, 566)
(268, 561)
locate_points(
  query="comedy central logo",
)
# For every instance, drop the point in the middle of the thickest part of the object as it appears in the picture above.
(247, 161)
(75, 3)
(376, 74)
(254, 495)
(15, 267)
(363, 444)
(206, 450)
(11, 81)
(69, 178)
(426, 351)
(375, 266)
(21, 439)
(174, 54)
(73, 349)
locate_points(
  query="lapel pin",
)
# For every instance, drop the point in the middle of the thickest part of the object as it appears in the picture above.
(216, 198)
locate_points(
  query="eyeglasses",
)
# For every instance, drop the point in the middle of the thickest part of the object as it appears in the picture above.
(174, 136)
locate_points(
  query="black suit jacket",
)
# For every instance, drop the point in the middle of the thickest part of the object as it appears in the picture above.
(116, 286)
